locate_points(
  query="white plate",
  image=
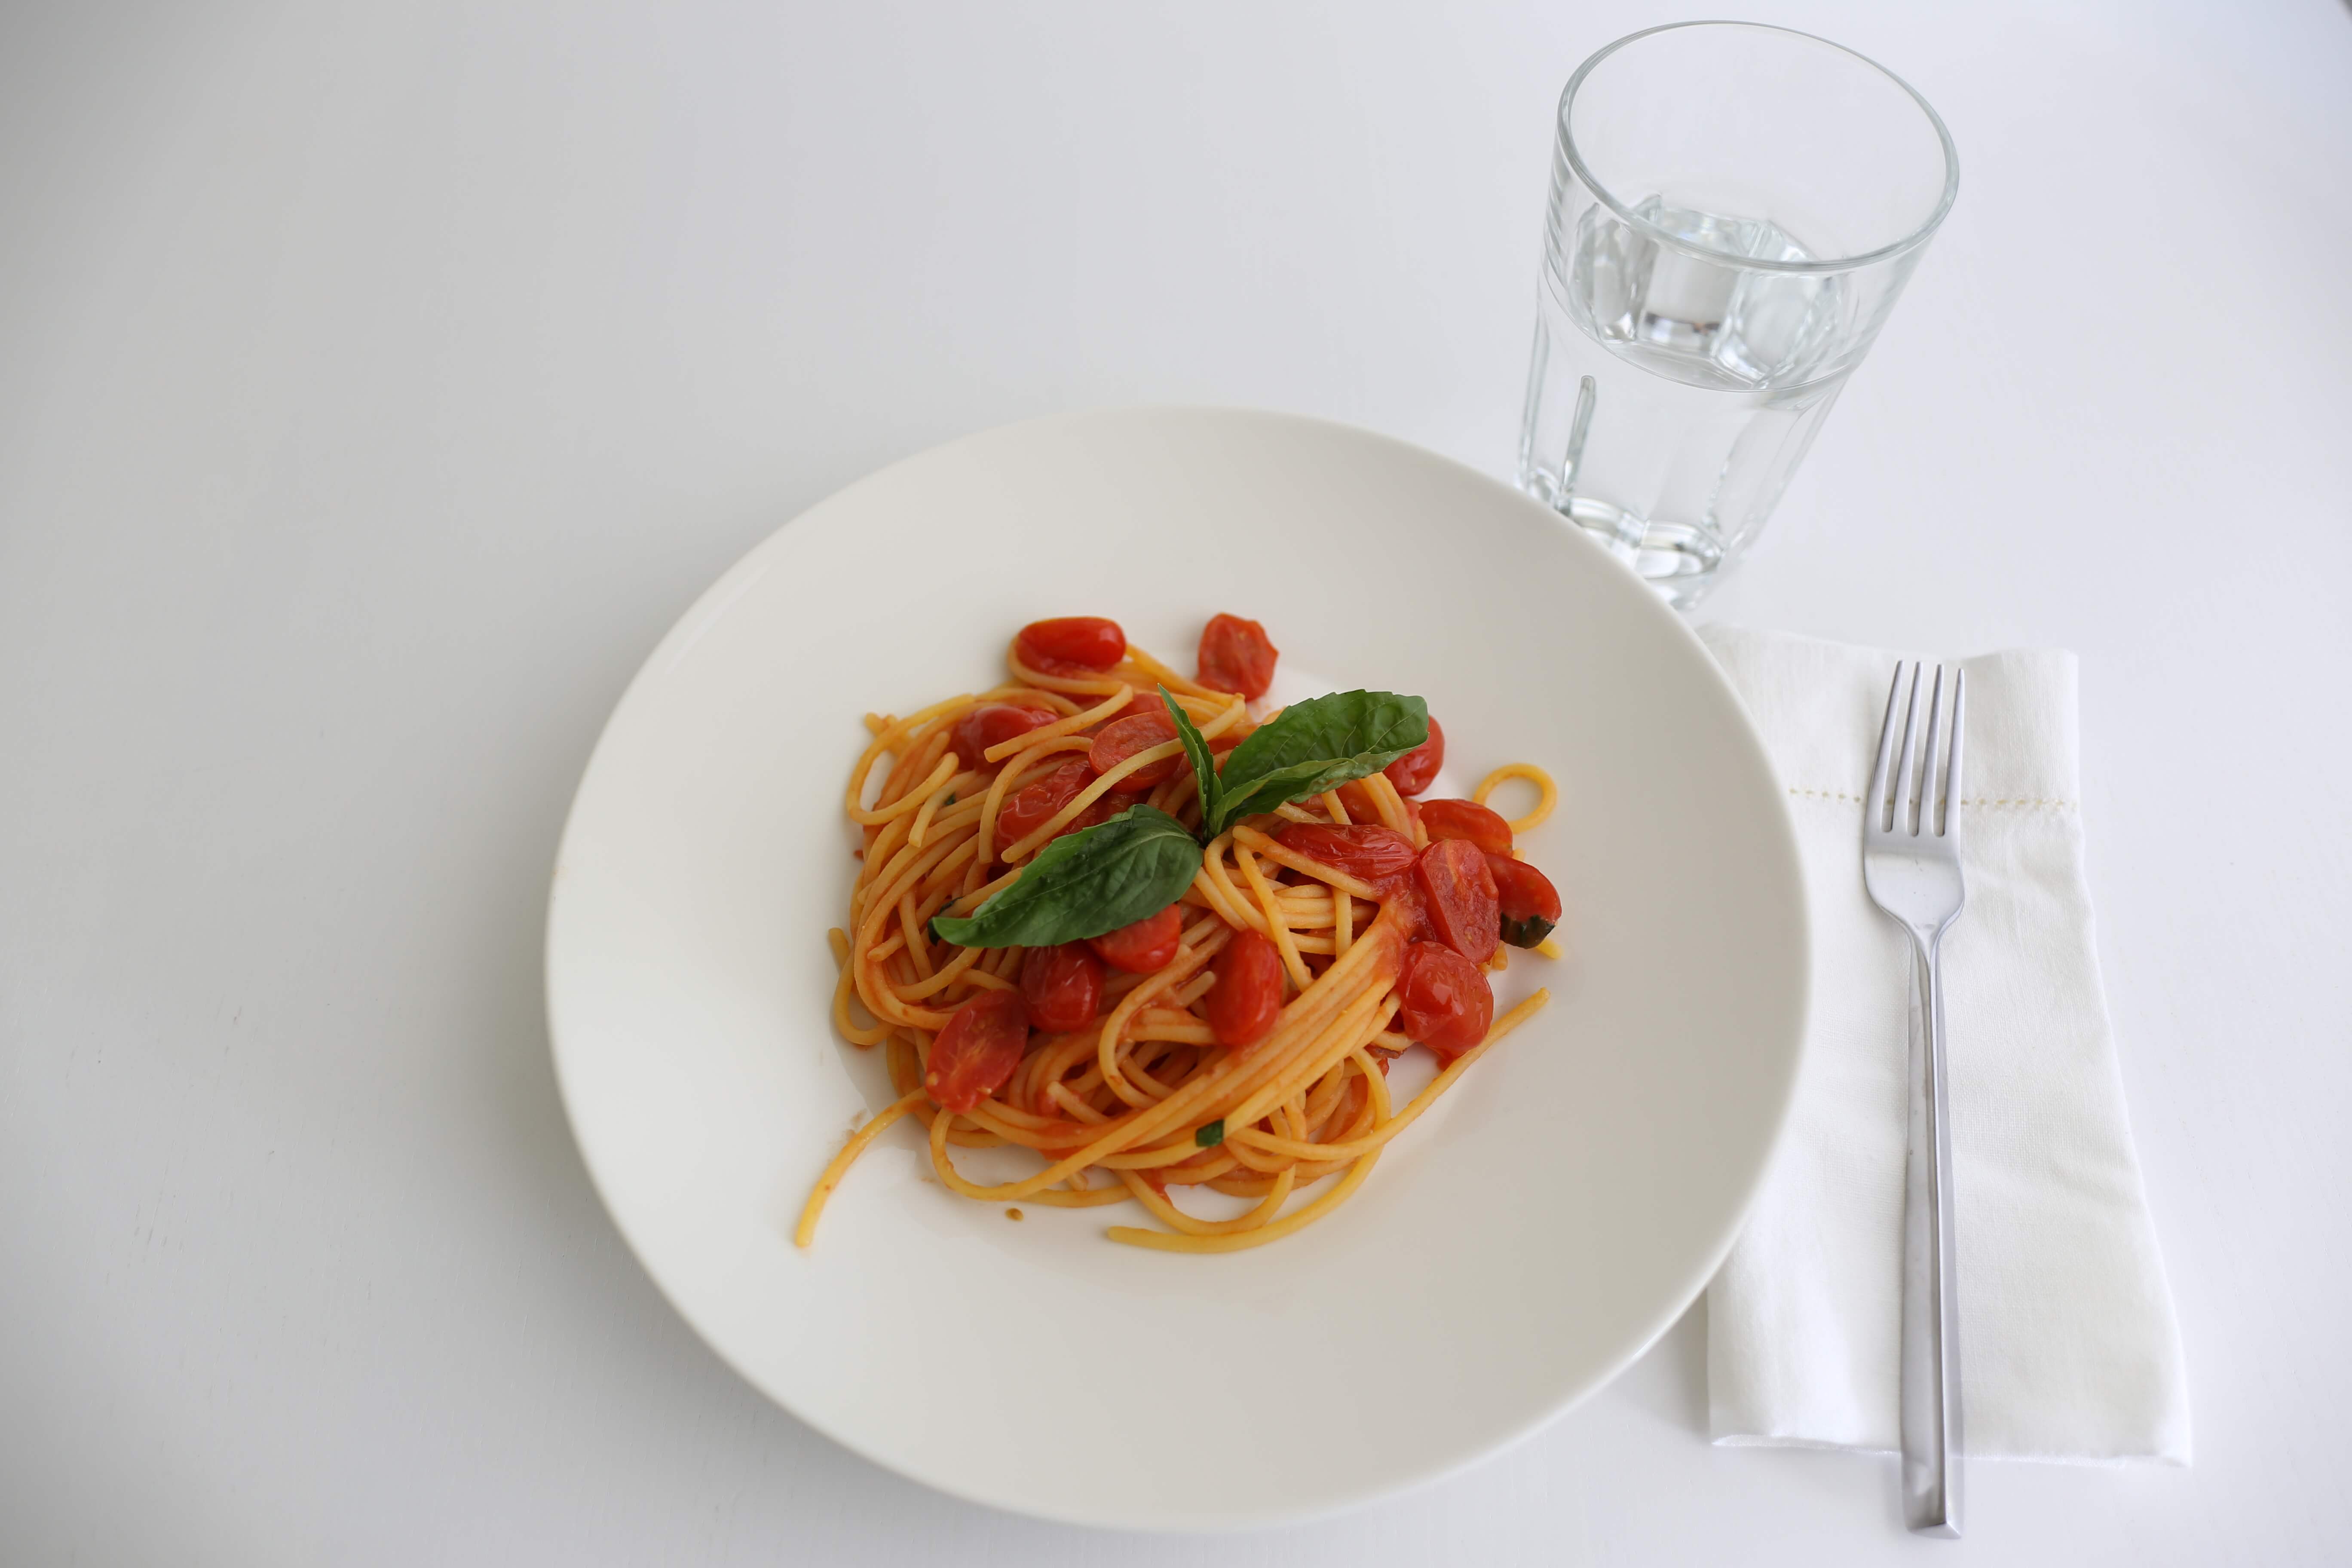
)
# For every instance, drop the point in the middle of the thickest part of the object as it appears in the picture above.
(1512, 1252)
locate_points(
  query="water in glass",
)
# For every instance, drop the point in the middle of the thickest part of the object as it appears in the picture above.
(1734, 210)
(1672, 394)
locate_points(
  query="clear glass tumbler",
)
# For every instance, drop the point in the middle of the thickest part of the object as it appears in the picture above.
(1734, 210)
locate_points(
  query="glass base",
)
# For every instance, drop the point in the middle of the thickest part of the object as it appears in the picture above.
(1680, 560)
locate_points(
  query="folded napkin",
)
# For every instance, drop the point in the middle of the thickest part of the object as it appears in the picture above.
(2067, 1342)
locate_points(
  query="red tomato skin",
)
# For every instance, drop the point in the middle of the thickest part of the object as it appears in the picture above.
(1062, 986)
(1365, 850)
(1236, 655)
(1109, 806)
(1528, 903)
(992, 723)
(1026, 809)
(1122, 738)
(1459, 890)
(1144, 947)
(1467, 819)
(1088, 644)
(1247, 997)
(1141, 703)
(1359, 802)
(1413, 771)
(1522, 892)
(978, 1050)
(1447, 1004)
(1406, 895)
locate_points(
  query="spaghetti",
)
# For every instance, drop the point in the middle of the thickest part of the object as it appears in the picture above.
(1237, 1038)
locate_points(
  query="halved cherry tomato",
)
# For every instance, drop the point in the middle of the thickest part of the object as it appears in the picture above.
(992, 723)
(1415, 908)
(1027, 809)
(1528, 903)
(1144, 946)
(1063, 986)
(1248, 995)
(1366, 851)
(1236, 655)
(1460, 890)
(978, 1050)
(1446, 1001)
(1413, 772)
(1467, 819)
(1072, 645)
(1122, 738)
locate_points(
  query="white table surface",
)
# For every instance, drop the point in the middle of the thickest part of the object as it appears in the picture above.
(378, 382)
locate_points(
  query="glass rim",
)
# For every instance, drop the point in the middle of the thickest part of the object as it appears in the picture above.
(1609, 199)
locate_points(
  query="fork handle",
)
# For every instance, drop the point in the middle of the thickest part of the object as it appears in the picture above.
(1931, 1357)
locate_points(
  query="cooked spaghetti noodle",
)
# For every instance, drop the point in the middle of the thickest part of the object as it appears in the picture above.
(1141, 1098)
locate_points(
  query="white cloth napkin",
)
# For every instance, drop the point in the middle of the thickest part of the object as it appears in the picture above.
(2068, 1346)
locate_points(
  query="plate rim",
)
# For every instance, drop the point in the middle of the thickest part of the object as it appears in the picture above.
(712, 601)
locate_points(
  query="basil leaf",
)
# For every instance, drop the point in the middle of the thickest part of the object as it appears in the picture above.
(1205, 766)
(1083, 884)
(1210, 1135)
(1316, 745)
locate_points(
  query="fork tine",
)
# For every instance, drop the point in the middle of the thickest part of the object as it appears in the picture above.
(1906, 775)
(1879, 810)
(1931, 771)
(1952, 770)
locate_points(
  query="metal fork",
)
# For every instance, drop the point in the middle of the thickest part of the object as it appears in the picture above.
(1911, 864)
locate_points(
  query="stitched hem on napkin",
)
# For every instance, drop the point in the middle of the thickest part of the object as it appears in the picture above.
(2097, 1461)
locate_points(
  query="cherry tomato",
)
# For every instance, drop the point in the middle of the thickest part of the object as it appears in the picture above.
(1359, 802)
(1467, 819)
(1122, 738)
(992, 723)
(978, 1050)
(1063, 986)
(1412, 907)
(1530, 904)
(1247, 995)
(1446, 1002)
(1073, 645)
(1366, 851)
(1236, 655)
(1144, 946)
(1107, 807)
(1026, 809)
(1141, 703)
(1413, 772)
(1460, 891)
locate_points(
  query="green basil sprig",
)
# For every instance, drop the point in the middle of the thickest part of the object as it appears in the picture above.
(1310, 747)
(1205, 766)
(1083, 884)
(1137, 864)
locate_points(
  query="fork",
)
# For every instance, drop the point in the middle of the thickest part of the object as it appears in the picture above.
(1911, 864)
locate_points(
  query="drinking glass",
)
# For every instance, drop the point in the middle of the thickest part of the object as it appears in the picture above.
(1734, 210)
